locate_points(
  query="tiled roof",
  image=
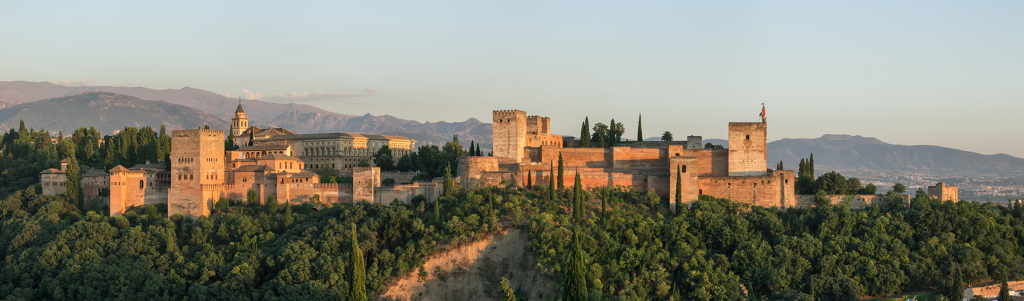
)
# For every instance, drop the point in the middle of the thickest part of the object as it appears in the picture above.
(263, 147)
(149, 166)
(51, 170)
(239, 109)
(119, 168)
(302, 174)
(260, 168)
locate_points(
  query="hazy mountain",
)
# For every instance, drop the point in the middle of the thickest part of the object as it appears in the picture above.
(298, 118)
(107, 112)
(206, 101)
(856, 153)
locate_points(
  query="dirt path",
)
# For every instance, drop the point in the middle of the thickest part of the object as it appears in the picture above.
(473, 272)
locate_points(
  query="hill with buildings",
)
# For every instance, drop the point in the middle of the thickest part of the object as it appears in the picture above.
(107, 112)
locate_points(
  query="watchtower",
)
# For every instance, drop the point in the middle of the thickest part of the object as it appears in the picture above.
(196, 160)
(748, 148)
(239, 123)
(509, 128)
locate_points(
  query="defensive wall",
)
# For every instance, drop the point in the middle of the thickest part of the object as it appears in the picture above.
(400, 177)
(405, 192)
(944, 192)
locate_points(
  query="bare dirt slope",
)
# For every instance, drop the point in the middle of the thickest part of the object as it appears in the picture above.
(473, 272)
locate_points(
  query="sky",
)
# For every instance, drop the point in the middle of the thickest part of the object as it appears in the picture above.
(947, 73)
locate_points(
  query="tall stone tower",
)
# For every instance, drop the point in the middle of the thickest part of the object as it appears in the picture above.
(509, 135)
(239, 123)
(748, 148)
(197, 171)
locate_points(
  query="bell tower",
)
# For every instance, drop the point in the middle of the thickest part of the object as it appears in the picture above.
(239, 123)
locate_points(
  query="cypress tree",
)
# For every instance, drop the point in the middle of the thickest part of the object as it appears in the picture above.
(21, 128)
(1004, 291)
(357, 280)
(251, 135)
(802, 166)
(577, 199)
(73, 184)
(679, 185)
(551, 186)
(640, 128)
(449, 184)
(810, 165)
(478, 151)
(437, 211)
(561, 170)
(288, 218)
(956, 285)
(585, 133)
(529, 180)
(575, 282)
(604, 198)
(472, 148)
(229, 144)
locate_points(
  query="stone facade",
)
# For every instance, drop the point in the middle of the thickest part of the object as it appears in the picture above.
(202, 172)
(944, 192)
(523, 145)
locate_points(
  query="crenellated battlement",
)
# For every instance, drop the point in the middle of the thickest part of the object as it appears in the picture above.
(195, 132)
(212, 187)
(508, 114)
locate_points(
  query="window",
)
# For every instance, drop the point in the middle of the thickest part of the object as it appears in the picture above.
(748, 137)
(684, 168)
(142, 184)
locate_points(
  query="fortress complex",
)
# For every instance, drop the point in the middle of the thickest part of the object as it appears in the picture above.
(279, 164)
(524, 145)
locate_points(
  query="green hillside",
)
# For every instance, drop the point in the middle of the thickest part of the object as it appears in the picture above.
(107, 112)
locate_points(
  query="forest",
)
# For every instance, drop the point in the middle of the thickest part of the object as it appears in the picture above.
(631, 247)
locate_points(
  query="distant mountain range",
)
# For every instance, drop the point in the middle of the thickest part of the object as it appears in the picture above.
(107, 112)
(870, 155)
(54, 107)
(298, 118)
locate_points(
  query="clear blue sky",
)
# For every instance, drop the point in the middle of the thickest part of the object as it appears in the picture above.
(947, 73)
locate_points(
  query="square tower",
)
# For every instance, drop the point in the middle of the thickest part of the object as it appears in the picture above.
(196, 161)
(748, 148)
(509, 135)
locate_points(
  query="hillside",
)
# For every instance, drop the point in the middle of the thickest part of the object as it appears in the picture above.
(856, 153)
(107, 112)
(299, 118)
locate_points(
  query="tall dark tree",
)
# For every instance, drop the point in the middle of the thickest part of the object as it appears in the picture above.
(357, 274)
(73, 183)
(810, 165)
(899, 188)
(575, 288)
(585, 133)
(472, 146)
(577, 200)
(561, 172)
(552, 193)
(640, 128)
(449, 184)
(21, 127)
(229, 144)
(529, 179)
(679, 185)
(1004, 291)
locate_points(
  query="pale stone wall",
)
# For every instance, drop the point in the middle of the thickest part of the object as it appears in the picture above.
(509, 135)
(405, 193)
(859, 201)
(684, 167)
(364, 181)
(748, 148)
(196, 160)
(470, 169)
(53, 184)
(944, 192)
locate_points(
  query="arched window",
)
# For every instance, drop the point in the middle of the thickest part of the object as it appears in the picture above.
(142, 184)
(684, 168)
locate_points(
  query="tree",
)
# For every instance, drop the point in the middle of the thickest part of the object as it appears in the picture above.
(640, 128)
(272, 204)
(288, 218)
(529, 180)
(577, 199)
(252, 197)
(666, 136)
(955, 285)
(221, 205)
(363, 163)
(357, 274)
(552, 193)
(810, 165)
(832, 183)
(229, 144)
(899, 188)
(384, 159)
(679, 185)
(73, 183)
(506, 289)
(805, 184)
(454, 147)
(584, 133)
(561, 170)
(21, 128)
(853, 185)
(206, 127)
(601, 135)
(575, 288)
(449, 184)
(1004, 291)
(869, 189)
(252, 136)
(780, 167)
(615, 131)
(472, 151)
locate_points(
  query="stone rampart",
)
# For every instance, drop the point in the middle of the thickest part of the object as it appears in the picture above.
(748, 148)
(577, 157)
(639, 158)
(400, 177)
(859, 201)
(404, 193)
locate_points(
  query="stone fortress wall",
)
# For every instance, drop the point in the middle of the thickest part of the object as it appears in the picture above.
(739, 173)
